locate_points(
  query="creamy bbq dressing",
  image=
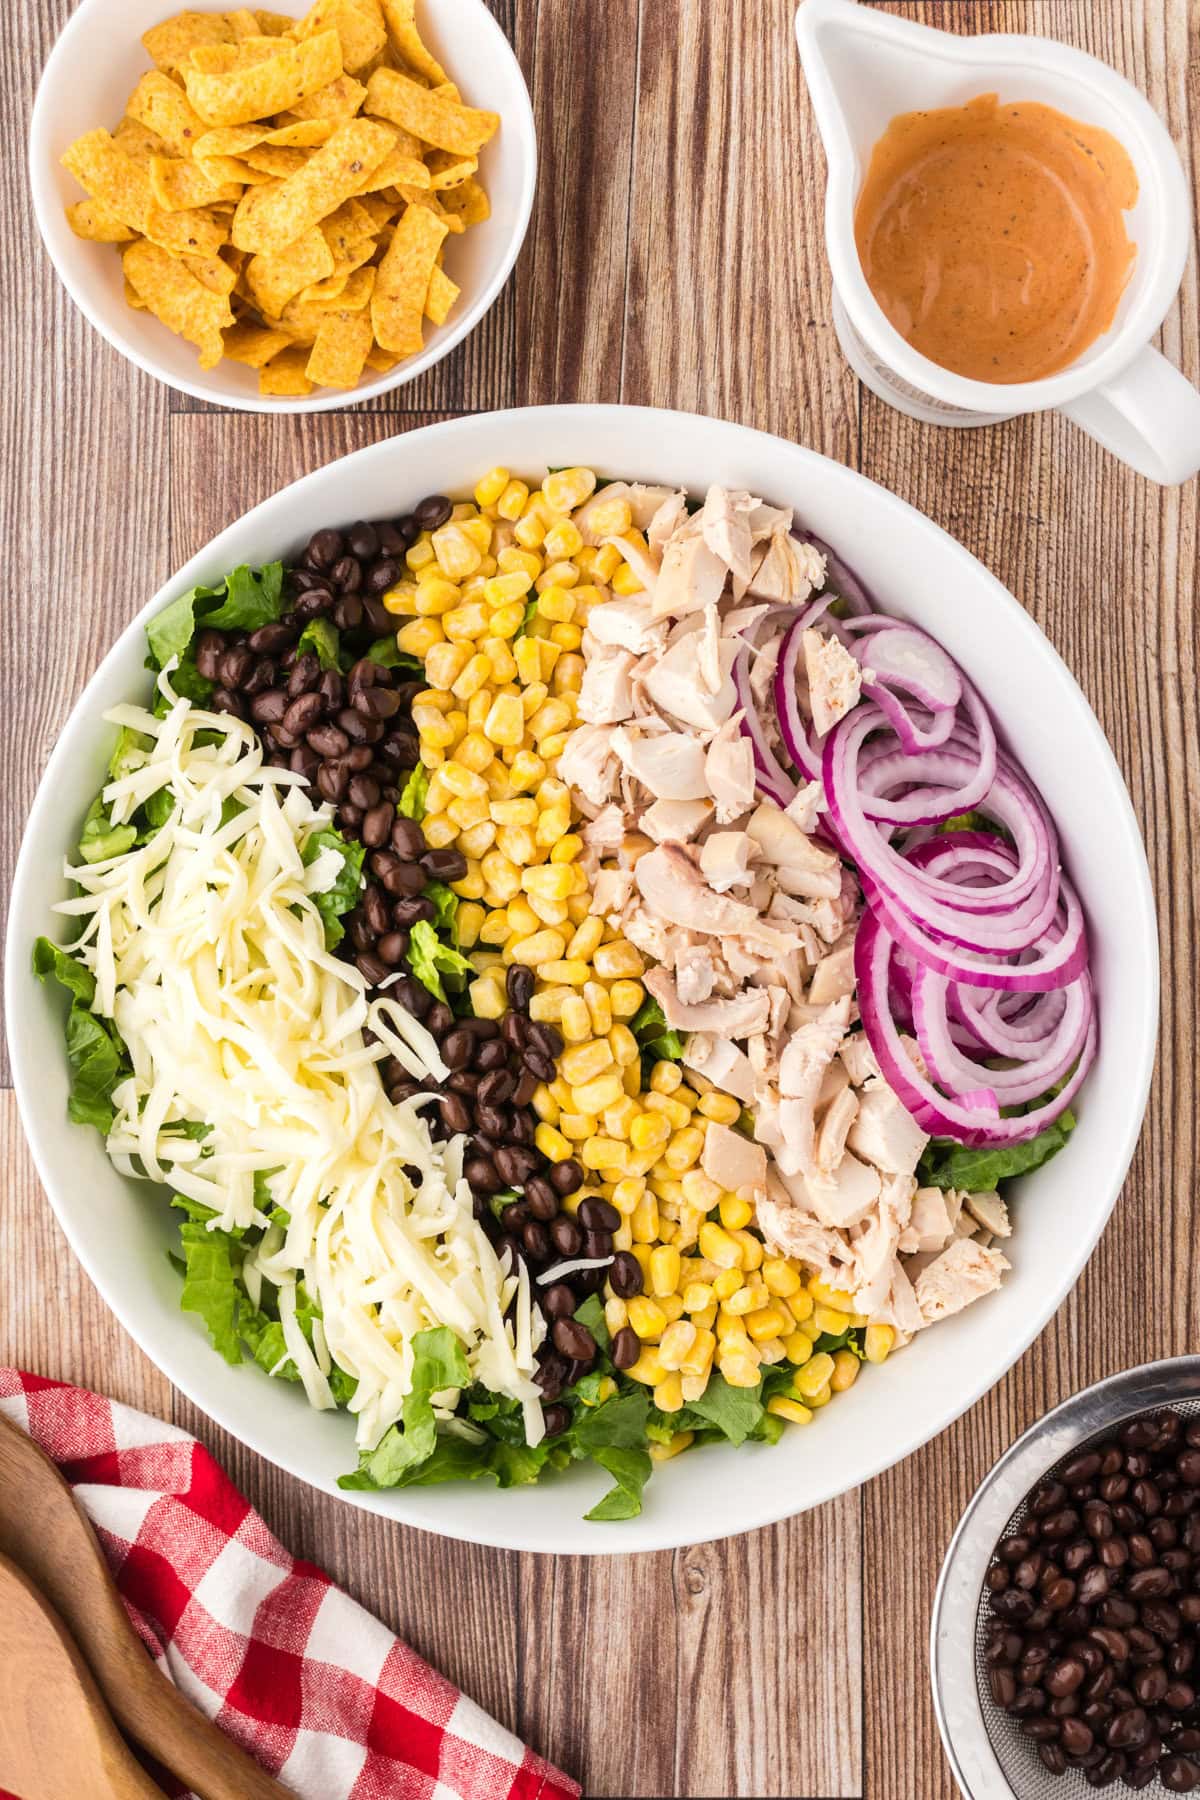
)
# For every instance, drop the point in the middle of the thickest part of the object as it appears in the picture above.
(994, 237)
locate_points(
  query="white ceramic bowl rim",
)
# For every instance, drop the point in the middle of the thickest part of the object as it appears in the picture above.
(920, 1393)
(133, 338)
(1123, 109)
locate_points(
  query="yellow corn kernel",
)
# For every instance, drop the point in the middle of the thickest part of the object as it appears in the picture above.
(878, 1342)
(469, 922)
(586, 1061)
(527, 770)
(418, 637)
(551, 1142)
(738, 1370)
(465, 622)
(556, 574)
(810, 1330)
(666, 1077)
(595, 1096)
(728, 1283)
(845, 1371)
(700, 1190)
(445, 663)
(732, 1333)
(649, 1132)
(462, 782)
(700, 1352)
(457, 556)
(475, 753)
(752, 1248)
(749, 1297)
(610, 518)
(814, 1376)
(625, 582)
(495, 929)
(616, 1314)
(524, 919)
(434, 595)
(684, 1149)
(792, 1410)
(622, 1043)
(696, 1296)
(603, 1153)
(517, 843)
(563, 540)
(717, 1245)
(541, 946)
(827, 1320)
(682, 1440)
(578, 1126)
(544, 1104)
(735, 1213)
(420, 554)
(567, 848)
(477, 705)
(798, 1348)
(645, 1222)
(528, 659)
(465, 813)
(488, 1000)
(767, 1322)
(568, 674)
(583, 943)
(572, 1016)
(510, 558)
(567, 637)
(505, 723)
(625, 998)
(571, 970)
(440, 831)
(498, 590)
(706, 1318)
(506, 621)
(503, 879)
(529, 531)
(678, 1340)
(648, 1369)
(490, 488)
(647, 1317)
(511, 503)
(800, 1306)
(475, 843)
(822, 1397)
(779, 1277)
(626, 1194)
(402, 598)
(838, 1298)
(514, 812)
(549, 881)
(605, 563)
(664, 1270)
(566, 489)
(556, 604)
(677, 1115)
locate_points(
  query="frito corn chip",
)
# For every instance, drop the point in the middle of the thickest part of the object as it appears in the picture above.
(161, 105)
(217, 275)
(120, 185)
(426, 197)
(230, 169)
(252, 344)
(397, 170)
(441, 297)
(382, 361)
(91, 219)
(340, 349)
(133, 298)
(341, 100)
(178, 184)
(229, 140)
(277, 163)
(273, 24)
(346, 228)
(382, 211)
(243, 24)
(468, 202)
(304, 134)
(254, 89)
(139, 142)
(174, 295)
(406, 39)
(284, 375)
(274, 280)
(446, 170)
(171, 43)
(225, 59)
(268, 219)
(200, 231)
(398, 302)
(433, 118)
(358, 23)
(334, 286)
(303, 317)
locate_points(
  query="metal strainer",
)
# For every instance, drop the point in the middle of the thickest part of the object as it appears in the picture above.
(990, 1758)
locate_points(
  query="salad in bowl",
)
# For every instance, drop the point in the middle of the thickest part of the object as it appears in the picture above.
(581, 975)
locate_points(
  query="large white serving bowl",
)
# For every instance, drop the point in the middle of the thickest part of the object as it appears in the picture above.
(91, 72)
(120, 1229)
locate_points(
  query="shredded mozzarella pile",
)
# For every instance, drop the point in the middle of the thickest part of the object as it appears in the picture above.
(209, 955)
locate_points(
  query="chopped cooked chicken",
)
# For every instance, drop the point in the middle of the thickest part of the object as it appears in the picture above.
(670, 764)
(886, 1133)
(930, 1227)
(606, 696)
(675, 821)
(690, 578)
(900, 1310)
(695, 974)
(742, 1015)
(859, 1058)
(731, 1160)
(788, 571)
(991, 1212)
(722, 1063)
(588, 762)
(607, 831)
(644, 566)
(963, 1273)
(834, 680)
(834, 974)
(839, 1116)
(875, 1246)
(644, 503)
(724, 520)
(802, 1067)
(627, 625)
(671, 886)
(806, 807)
(729, 769)
(611, 889)
(802, 866)
(725, 860)
(793, 1232)
(675, 683)
(666, 520)
(843, 1198)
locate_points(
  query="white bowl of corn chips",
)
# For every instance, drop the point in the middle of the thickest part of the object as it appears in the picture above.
(283, 211)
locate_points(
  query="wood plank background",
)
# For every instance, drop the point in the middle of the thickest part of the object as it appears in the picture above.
(675, 258)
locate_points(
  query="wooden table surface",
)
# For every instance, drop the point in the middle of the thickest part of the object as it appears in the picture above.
(675, 259)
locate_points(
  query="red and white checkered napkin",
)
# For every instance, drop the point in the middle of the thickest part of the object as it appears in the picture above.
(312, 1686)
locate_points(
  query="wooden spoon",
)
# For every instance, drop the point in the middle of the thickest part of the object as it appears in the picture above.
(57, 1740)
(46, 1534)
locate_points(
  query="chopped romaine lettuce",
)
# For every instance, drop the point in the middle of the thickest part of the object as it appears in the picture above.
(100, 838)
(412, 794)
(321, 637)
(429, 959)
(343, 895)
(948, 1165)
(96, 1055)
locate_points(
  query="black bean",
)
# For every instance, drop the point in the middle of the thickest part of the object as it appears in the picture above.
(304, 761)
(408, 840)
(566, 1235)
(551, 1375)
(393, 947)
(573, 1339)
(1065, 1676)
(1075, 1737)
(1179, 1774)
(405, 879)
(566, 1177)
(541, 1198)
(547, 1037)
(346, 573)
(377, 824)
(527, 1086)
(372, 968)
(208, 650)
(626, 1348)
(555, 1419)
(444, 865)
(536, 1242)
(1150, 1584)
(625, 1275)
(482, 1176)
(270, 707)
(518, 984)
(598, 1215)
(456, 1115)
(557, 1301)
(540, 1065)
(378, 703)
(496, 1088)
(432, 512)
(1000, 1680)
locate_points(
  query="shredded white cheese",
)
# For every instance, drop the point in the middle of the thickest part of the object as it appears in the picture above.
(209, 955)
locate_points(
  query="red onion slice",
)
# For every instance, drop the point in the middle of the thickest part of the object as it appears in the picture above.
(905, 658)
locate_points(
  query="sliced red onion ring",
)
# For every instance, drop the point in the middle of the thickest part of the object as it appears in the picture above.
(959, 1074)
(907, 659)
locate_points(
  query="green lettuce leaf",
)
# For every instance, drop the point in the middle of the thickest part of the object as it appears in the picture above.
(388, 654)
(343, 895)
(100, 838)
(446, 902)
(321, 637)
(649, 1027)
(96, 1054)
(438, 1362)
(412, 794)
(734, 1412)
(49, 960)
(211, 1287)
(614, 1435)
(246, 599)
(947, 1165)
(429, 959)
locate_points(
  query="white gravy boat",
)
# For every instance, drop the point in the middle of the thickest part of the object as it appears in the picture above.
(863, 67)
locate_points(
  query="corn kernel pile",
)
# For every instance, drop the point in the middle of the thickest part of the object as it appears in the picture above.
(496, 602)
